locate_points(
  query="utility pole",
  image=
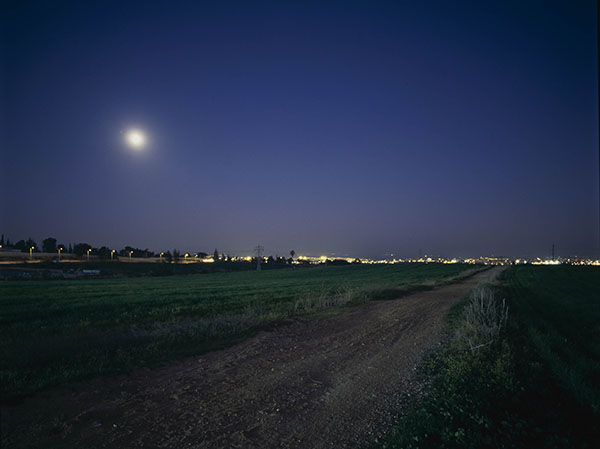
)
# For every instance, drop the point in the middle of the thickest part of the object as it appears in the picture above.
(598, 104)
(259, 250)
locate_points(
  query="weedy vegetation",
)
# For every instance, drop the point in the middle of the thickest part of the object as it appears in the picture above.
(520, 368)
(58, 331)
(482, 320)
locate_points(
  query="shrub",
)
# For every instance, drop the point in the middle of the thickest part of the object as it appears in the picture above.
(482, 320)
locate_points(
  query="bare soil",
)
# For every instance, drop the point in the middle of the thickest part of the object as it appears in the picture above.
(333, 382)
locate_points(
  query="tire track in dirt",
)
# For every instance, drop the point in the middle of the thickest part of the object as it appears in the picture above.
(333, 382)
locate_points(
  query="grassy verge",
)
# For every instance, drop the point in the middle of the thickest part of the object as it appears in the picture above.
(532, 381)
(57, 331)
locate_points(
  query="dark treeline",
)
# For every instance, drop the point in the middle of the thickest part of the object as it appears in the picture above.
(51, 245)
(85, 250)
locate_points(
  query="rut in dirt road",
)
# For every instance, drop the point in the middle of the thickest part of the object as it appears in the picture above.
(335, 382)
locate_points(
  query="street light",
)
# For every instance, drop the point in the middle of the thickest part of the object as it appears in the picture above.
(130, 253)
(88, 254)
(160, 256)
(185, 256)
(112, 254)
(59, 250)
(31, 252)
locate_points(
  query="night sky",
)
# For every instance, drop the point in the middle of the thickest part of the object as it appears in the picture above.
(346, 128)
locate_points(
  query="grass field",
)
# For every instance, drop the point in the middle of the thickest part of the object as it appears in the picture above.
(44, 269)
(538, 385)
(58, 331)
(559, 309)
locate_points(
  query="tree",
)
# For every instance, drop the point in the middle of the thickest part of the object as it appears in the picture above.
(20, 245)
(104, 253)
(2, 240)
(81, 248)
(176, 256)
(70, 249)
(292, 253)
(216, 255)
(169, 256)
(49, 245)
(30, 243)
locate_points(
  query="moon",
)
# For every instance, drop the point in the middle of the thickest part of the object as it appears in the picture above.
(135, 138)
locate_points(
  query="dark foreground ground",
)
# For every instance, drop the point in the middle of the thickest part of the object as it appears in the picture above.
(54, 332)
(333, 382)
(535, 385)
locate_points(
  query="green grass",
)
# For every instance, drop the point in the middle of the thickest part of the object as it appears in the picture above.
(538, 385)
(109, 268)
(58, 331)
(560, 310)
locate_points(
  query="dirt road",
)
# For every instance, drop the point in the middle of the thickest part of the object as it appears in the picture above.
(334, 382)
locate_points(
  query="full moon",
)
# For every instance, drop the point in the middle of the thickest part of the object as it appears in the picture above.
(135, 138)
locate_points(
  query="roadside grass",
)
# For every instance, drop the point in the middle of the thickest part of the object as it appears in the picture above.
(536, 383)
(57, 331)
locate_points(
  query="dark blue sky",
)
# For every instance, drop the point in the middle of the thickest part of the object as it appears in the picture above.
(361, 128)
